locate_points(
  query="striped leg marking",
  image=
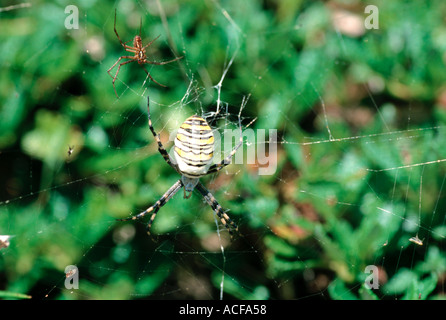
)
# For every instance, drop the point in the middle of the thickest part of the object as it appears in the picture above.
(154, 209)
(217, 167)
(224, 218)
(158, 140)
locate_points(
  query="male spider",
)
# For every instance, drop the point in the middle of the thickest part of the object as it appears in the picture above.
(140, 56)
(194, 147)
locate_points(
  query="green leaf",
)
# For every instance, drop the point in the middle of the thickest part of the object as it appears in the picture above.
(13, 295)
(239, 290)
(339, 291)
(280, 246)
(367, 293)
(150, 282)
(48, 141)
(400, 282)
(420, 289)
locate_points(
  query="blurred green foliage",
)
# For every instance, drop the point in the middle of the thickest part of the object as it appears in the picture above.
(350, 105)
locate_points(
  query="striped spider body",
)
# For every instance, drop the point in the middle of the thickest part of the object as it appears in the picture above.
(194, 147)
(193, 155)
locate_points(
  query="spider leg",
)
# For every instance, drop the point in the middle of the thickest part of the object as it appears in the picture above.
(161, 85)
(162, 62)
(158, 140)
(119, 67)
(158, 63)
(117, 35)
(210, 199)
(116, 32)
(154, 209)
(120, 58)
(218, 166)
(124, 44)
(130, 49)
(150, 41)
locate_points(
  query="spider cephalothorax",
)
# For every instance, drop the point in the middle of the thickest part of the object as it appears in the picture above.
(193, 153)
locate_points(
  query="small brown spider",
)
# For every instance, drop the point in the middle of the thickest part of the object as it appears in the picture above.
(140, 56)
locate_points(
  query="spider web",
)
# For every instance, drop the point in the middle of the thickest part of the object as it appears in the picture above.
(384, 172)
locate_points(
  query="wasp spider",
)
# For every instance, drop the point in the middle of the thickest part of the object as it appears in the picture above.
(193, 151)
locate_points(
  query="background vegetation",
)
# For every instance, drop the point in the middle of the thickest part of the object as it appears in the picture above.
(310, 229)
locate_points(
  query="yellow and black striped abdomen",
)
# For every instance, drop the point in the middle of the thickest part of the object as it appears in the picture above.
(194, 147)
